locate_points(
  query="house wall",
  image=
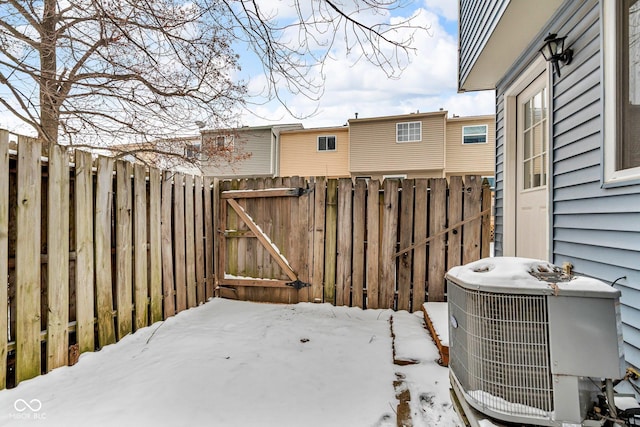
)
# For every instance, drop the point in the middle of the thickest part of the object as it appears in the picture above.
(597, 229)
(470, 159)
(258, 142)
(477, 20)
(299, 155)
(374, 148)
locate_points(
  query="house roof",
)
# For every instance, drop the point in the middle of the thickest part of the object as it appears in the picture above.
(410, 116)
(316, 130)
(489, 45)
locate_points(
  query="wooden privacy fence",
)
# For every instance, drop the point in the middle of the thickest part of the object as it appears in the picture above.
(362, 244)
(92, 251)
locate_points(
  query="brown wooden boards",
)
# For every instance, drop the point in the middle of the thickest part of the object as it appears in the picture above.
(345, 242)
(437, 246)
(4, 253)
(388, 245)
(85, 267)
(405, 261)
(155, 244)
(58, 258)
(330, 246)
(420, 218)
(28, 261)
(190, 252)
(179, 242)
(124, 251)
(199, 240)
(141, 266)
(168, 282)
(359, 236)
(373, 238)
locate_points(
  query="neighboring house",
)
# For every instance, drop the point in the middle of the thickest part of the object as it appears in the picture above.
(315, 152)
(259, 143)
(470, 146)
(421, 145)
(567, 144)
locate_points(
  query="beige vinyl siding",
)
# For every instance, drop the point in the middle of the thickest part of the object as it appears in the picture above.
(409, 174)
(464, 159)
(374, 146)
(299, 155)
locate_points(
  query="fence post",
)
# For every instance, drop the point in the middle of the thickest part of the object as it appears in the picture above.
(4, 253)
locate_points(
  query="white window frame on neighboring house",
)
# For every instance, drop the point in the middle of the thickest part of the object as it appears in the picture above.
(408, 132)
(193, 150)
(398, 176)
(485, 133)
(225, 141)
(327, 138)
(613, 173)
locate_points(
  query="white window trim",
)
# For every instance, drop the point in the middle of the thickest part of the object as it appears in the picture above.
(486, 135)
(327, 150)
(398, 176)
(609, 56)
(411, 140)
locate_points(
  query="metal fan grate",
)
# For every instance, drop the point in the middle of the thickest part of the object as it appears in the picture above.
(500, 350)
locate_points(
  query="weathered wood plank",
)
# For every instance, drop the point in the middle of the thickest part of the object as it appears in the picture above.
(155, 244)
(221, 250)
(485, 249)
(263, 239)
(388, 244)
(373, 239)
(85, 267)
(104, 293)
(472, 207)
(437, 222)
(199, 241)
(456, 194)
(345, 242)
(318, 239)
(168, 279)
(28, 220)
(4, 253)
(190, 250)
(405, 262)
(58, 254)
(267, 192)
(124, 253)
(330, 251)
(210, 222)
(141, 264)
(259, 283)
(359, 236)
(179, 242)
(420, 218)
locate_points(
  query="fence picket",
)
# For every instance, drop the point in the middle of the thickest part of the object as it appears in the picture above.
(373, 238)
(472, 206)
(330, 251)
(155, 244)
(199, 240)
(210, 223)
(85, 267)
(456, 195)
(388, 244)
(179, 242)
(58, 258)
(420, 217)
(141, 265)
(190, 251)
(319, 239)
(437, 223)
(103, 213)
(405, 261)
(345, 242)
(124, 266)
(28, 261)
(4, 253)
(168, 278)
(359, 236)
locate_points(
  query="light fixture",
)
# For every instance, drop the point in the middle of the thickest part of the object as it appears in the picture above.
(554, 51)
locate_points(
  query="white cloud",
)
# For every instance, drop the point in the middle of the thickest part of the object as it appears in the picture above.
(427, 84)
(448, 9)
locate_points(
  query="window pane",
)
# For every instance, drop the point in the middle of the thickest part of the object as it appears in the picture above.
(526, 171)
(322, 143)
(331, 143)
(527, 145)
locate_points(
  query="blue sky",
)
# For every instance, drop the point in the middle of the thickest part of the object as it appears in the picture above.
(427, 84)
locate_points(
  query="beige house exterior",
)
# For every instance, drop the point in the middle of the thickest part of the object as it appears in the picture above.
(315, 152)
(421, 145)
(466, 154)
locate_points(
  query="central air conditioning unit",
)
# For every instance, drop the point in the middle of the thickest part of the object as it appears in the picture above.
(530, 344)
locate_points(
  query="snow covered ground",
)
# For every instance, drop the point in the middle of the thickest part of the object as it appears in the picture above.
(230, 363)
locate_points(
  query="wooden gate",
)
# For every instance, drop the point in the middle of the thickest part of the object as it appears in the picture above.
(361, 243)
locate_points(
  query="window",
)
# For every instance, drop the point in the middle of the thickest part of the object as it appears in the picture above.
(192, 151)
(326, 143)
(622, 90)
(474, 134)
(224, 142)
(409, 132)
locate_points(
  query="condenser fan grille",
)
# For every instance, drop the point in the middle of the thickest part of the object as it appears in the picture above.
(500, 350)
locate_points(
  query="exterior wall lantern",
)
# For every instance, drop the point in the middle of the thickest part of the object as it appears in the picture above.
(553, 51)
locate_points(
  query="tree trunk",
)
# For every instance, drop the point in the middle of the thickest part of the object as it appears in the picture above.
(49, 102)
